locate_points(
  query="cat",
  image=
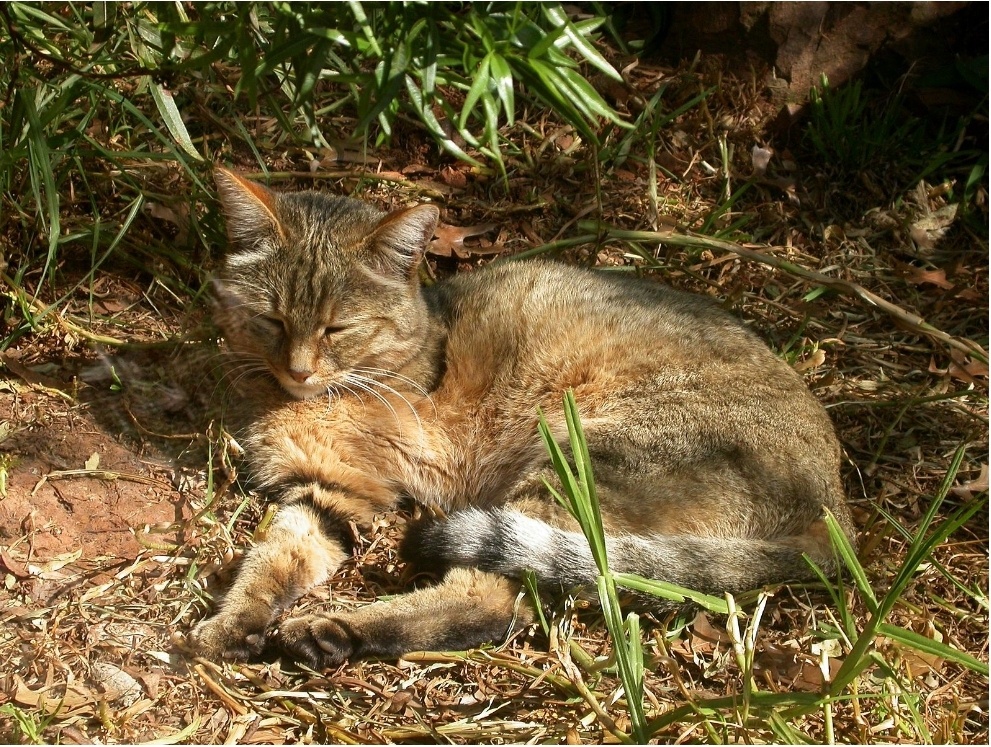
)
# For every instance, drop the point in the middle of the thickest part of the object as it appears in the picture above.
(713, 461)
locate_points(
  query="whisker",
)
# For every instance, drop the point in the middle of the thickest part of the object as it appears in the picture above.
(353, 393)
(363, 384)
(416, 416)
(392, 374)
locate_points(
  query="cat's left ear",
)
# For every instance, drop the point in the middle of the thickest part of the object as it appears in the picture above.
(400, 239)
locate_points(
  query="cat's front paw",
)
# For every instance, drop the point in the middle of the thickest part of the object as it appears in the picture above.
(319, 641)
(229, 636)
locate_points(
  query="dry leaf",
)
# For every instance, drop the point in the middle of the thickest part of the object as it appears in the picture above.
(702, 628)
(961, 369)
(417, 169)
(49, 569)
(813, 361)
(73, 699)
(454, 177)
(968, 490)
(180, 218)
(759, 159)
(808, 676)
(14, 567)
(93, 462)
(919, 663)
(920, 276)
(449, 241)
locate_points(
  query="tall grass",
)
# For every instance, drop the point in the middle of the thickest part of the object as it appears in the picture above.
(862, 630)
(107, 102)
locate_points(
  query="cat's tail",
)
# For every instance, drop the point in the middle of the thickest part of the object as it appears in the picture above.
(509, 543)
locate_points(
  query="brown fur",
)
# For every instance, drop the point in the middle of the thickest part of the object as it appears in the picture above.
(713, 461)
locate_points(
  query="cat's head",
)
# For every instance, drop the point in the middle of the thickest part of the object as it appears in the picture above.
(319, 287)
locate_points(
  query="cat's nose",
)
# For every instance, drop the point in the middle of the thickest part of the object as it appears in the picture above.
(300, 376)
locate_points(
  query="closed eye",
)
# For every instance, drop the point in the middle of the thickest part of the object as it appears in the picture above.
(273, 322)
(333, 329)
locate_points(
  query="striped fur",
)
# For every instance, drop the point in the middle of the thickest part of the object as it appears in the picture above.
(713, 461)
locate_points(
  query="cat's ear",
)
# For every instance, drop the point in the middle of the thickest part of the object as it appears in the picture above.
(248, 207)
(400, 239)
(221, 296)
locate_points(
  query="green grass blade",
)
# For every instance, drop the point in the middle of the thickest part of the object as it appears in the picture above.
(479, 85)
(671, 592)
(929, 646)
(848, 555)
(42, 179)
(503, 77)
(556, 15)
(172, 118)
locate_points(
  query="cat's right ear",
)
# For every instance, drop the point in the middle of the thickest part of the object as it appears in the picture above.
(221, 296)
(400, 240)
(248, 207)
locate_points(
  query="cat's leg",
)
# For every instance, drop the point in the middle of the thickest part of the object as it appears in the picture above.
(299, 551)
(328, 474)
(466, 609)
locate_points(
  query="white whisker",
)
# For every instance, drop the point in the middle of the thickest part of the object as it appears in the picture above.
(363, 384)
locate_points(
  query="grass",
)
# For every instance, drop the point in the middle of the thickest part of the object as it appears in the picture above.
(858, 642)
(110, 117)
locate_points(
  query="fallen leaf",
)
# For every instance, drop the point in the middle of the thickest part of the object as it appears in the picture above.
(759, 159)
(808, 675)
(706, 630)
(815, 360)
(961, 369)
(919, 663)
(969, 489)
(417, 169)
(449, 241)
(74, 699)
(49, 569)
(93, 462)
(454, 177)
(179, 219)
(919, 276)
(17, 569)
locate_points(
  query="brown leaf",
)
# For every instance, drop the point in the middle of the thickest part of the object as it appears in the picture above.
(17, 569)
(808, 675)
(449, 241)
(813, 361)
(969, 489)
(75, 698)
(704, 629)
(454, 177)
(178, 217)
(961, 369)
(919, 276)
(417, 169)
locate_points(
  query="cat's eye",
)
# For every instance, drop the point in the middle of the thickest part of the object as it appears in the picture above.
(273, 322)
(333, 329)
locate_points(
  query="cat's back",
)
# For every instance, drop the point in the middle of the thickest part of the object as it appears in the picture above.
(556, 312)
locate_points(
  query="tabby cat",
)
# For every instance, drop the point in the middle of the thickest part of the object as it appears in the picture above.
(714, 463)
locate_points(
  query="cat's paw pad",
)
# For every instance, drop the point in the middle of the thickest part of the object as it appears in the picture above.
(318, 641)
(228, 637)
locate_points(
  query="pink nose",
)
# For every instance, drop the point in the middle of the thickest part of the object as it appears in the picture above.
(300, 376)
